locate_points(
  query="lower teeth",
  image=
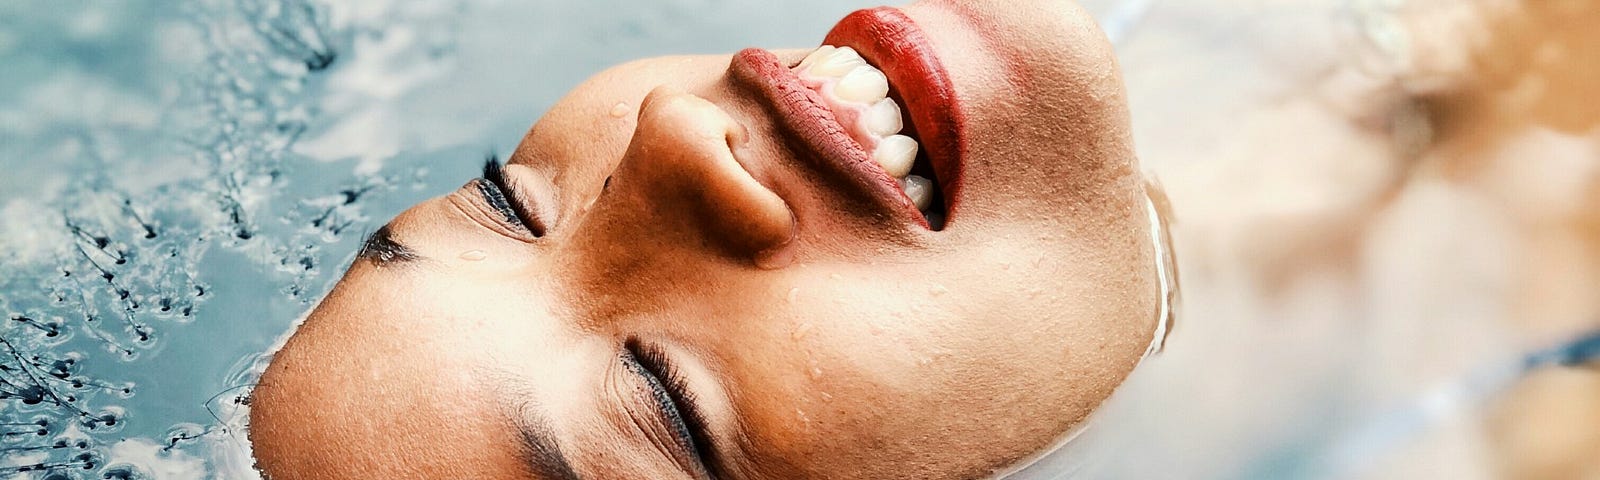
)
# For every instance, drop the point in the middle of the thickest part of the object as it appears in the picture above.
(919, 189)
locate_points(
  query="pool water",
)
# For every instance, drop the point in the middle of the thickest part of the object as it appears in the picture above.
(183, 179)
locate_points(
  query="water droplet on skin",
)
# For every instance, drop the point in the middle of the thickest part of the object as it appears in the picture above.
(827, 397)
(938, 290)
(801, 331)
(775, 258)
(620, 110)
(794, 293)
(834, 276)
(474, 255)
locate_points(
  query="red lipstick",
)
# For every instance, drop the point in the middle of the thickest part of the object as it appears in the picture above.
(889, 40)
(804, 115)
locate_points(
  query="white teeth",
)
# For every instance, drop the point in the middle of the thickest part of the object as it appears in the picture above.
(895, 154)
(858, 93)
(815, 56)
(883, 119)
(837, 63)
(863, 84)
(919, 189)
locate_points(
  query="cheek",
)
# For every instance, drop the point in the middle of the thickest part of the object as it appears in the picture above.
(900, 327)
(998, 316)
(854, 342)
(862, 363)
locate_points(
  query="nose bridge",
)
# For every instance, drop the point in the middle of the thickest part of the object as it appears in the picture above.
(682, 170)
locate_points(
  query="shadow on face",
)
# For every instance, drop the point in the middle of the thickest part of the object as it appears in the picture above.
(720, 267)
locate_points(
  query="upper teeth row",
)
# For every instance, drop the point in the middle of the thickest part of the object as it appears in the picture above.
(859, 93)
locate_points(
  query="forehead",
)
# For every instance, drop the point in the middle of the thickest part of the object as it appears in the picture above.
(368, 387)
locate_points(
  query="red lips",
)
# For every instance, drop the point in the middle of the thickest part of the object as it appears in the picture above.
(889, 40)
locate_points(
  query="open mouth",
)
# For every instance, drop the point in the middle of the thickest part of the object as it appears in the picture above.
(858, 94)
(877, 109)
(890, 44)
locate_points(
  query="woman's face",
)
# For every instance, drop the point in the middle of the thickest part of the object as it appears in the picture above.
(693, 267)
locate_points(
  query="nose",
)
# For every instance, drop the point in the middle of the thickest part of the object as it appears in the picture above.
(682, 179)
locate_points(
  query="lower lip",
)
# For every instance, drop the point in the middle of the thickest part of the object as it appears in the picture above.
(891, 41)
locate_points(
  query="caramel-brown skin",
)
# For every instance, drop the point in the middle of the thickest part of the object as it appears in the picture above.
(875, 349)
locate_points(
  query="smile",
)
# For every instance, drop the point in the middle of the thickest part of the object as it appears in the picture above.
(876, 108)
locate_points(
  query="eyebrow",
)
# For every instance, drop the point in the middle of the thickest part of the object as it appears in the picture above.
(542, 452)
(383, 249)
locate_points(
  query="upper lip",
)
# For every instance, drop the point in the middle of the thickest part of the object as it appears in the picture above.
(889, 40)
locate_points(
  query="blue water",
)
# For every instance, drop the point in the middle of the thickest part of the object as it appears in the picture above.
(182, 179)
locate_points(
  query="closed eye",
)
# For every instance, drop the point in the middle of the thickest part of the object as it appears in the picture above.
(501, 193)
(674, 401)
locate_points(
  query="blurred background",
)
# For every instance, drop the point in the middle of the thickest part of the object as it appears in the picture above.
(1387, 213)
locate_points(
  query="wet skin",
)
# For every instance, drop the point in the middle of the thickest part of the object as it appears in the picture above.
(688, 246)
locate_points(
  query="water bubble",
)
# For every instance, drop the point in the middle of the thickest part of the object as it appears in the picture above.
(620, 110)
(801, 331)
(121, 472)
(474, 255)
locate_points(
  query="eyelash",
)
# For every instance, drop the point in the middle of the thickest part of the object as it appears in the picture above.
(655, 363)
(499, 192)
